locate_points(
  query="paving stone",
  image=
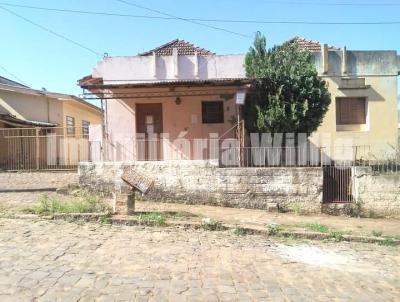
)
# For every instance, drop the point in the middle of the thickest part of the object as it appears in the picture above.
(118, 263)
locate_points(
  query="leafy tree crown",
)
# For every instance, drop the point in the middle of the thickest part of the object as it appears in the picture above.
(287, 95)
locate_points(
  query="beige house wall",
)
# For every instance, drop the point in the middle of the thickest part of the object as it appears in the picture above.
(182, 120)
(32, 107)
(380, 131)
(80, 112)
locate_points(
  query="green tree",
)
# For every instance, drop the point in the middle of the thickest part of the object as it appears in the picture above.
(286, 94)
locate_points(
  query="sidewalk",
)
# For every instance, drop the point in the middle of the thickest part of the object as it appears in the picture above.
(260, 218)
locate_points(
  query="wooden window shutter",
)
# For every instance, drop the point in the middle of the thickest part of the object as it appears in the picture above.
(351, 111)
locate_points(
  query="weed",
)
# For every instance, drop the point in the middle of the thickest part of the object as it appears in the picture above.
(239, 231)
(377, 233)
(336, 235)
(317, 227)
(154, 218)
(273, 229)
(296, 207)
(106, 219)
(390, 241)
(209, 224)
(85, 203)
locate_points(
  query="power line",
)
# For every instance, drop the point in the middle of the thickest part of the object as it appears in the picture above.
(335, 3)
(184, 19)
(13, 75)
(51, 31)
(205, 20)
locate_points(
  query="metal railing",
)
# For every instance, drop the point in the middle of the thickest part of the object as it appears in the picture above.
(58, 148)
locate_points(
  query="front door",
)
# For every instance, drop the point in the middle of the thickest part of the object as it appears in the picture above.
(149, 126)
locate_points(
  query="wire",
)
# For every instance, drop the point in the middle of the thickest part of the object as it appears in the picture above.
(184, 19)
(334, 3)
(51, 31)
(13, 75)
(202, 20)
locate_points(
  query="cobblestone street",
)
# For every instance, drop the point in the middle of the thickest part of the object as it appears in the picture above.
(60, 261)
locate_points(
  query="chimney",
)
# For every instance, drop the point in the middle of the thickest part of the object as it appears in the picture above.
(196, 65)
(344, 61)
(175, 62)
(325, 58)
(154, 60)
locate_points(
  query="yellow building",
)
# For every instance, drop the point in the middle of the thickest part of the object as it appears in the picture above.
(362, 119)
(40, 128)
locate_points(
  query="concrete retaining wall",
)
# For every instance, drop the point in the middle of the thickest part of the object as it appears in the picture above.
(202, 182)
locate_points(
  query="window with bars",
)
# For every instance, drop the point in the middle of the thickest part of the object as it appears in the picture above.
(70, 123)
(212, 112)
(85, 129)
(351, 111)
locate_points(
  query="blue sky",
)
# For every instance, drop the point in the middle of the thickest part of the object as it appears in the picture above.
(43, 60)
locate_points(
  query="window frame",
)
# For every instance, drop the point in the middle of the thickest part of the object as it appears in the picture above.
(85, 125)
(70, 125)
(205, 116)
(353, 121)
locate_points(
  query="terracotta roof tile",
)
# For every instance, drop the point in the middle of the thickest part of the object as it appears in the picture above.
(310, 45)
(184, 48)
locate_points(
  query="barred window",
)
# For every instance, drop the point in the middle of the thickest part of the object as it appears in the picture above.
(212, 112)
(351, 111)
(70, 123)
(85, 128)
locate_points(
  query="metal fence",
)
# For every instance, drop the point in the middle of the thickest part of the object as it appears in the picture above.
(303, 156)
(55, 148)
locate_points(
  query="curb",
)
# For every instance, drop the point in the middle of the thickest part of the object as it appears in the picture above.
(106, 218)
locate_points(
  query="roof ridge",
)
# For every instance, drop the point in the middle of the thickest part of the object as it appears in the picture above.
(310, 45)
(184, 48)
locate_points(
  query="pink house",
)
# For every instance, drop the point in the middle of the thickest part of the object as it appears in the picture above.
(173, 102)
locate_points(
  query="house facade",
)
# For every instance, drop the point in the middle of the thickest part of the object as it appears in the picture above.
(168, 103)
(42, 128)
(185, 100)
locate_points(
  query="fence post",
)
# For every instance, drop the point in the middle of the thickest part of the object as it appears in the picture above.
(320, 157)
(37, 149)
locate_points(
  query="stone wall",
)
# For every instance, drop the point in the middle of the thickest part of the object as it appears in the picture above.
(203, 182)
(377, 193)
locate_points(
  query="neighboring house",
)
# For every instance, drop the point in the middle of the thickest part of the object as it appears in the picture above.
(23, 108)
(189, 92)
(363, 87)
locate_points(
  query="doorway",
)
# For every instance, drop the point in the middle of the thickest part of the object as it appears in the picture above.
(149, 126)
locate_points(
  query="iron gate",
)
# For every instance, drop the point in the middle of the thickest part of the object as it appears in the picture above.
(337, 184)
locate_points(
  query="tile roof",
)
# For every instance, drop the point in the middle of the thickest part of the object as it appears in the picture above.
(6, 81)
(310, 45)
(184, 48)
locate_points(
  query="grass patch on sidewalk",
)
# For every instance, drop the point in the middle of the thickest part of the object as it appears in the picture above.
(317, 227)
(84, 202)
(154, 218)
